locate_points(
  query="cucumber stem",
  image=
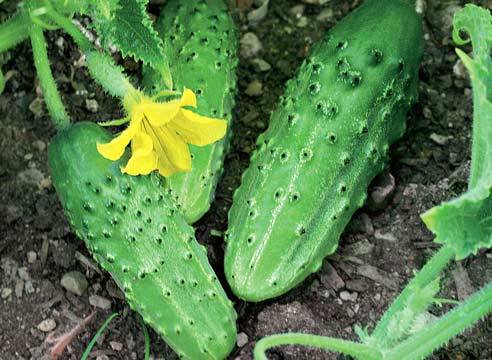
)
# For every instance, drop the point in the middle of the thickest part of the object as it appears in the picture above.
(14, 30)
(52, 97)
(446, 327)
(360, 351)
(428, 273)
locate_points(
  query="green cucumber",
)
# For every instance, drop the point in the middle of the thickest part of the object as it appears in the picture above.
(200, 42)
(135, 232)
(326, 141)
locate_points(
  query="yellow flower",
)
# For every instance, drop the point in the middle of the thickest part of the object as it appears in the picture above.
(160, 133)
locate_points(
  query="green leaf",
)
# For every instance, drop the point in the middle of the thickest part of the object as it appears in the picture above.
(129, 27)
(465, 224)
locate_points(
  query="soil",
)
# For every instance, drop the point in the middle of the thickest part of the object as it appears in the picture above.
(378, 252)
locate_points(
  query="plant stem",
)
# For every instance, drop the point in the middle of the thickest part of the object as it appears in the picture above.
(51, 95)
(14, 30)
(82, 42)
(358, 350)
(428, 273)
(448, 326)
(101, 66)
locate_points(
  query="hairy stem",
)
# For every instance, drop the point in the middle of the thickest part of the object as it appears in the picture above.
(101, 66)
(50, 91)
(14, 30)
(357, 350)
(445, 328)
(428, 273)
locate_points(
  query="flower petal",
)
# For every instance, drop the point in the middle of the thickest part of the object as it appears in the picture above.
(144, 159)
(165, 167)
(116, 147)
(188, 98)
(159, 114)
(198, 130)
(175, 149)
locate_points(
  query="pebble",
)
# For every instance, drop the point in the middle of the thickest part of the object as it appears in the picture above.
(260, 65)
(347, 296)
(382, 191)
(440, 139)
(32, 257)
(23, 274)
(75, 282)
(31, 176)
(36, 107)
(330, 278)
(6, 292)
(250, 45)
(47, 325)
(100, 302)
(242, 339)
(19, 288)
(255, 88)
(102, 357)
(315, 2)
(297, 10)
(325, 15)
(303, 22)
(39, 145)
(116, 346)
(459, 69)
(358, 285)
(379, 235)
(92, 105)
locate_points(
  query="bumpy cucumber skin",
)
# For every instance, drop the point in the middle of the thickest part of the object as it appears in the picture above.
(326, 141)
(200, 41)
(135, 232)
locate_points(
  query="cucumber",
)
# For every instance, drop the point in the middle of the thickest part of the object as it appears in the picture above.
(328, 138)
(200, 42)
(135, 232)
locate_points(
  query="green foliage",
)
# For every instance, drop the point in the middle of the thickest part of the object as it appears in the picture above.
(200, 42)
(128, 26)
(135, 232)
(14, 30)
(326, 141)
(99, 332)
(465, 224)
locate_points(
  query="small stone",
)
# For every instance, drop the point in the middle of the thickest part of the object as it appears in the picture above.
(460, 70)
(440, 139)
(36, 107)
(100, 302)
(250, 45)
(60, 42)
(75, 282)
(381, 192)
(347, 296)
(242, 339)
(23, 274)
(378, 235)
(6, 292)
(297, 10)
(92, 105)
(39, 145)
(260, 65)
(358, 285)
(114, 291)
(427, 113)
(116, 346)
(31, 176)
(47, 325)
(102, 357)
(303, 22)
(31, 257)
(255, 88)
(330, 278)
(325, 15)
(19, 288)
(315, 2)
(29, 287)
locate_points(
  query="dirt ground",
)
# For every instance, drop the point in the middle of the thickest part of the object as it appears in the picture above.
(378, 252)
